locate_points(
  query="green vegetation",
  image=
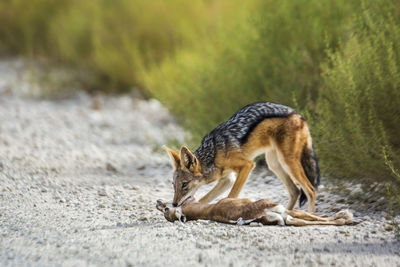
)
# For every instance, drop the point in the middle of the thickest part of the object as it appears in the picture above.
(337, 61)
(393, 193)
(358, 109)
(273, 54)
(117, 40)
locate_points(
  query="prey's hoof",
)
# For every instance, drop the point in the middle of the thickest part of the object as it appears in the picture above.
(160, 205)
(344, 214)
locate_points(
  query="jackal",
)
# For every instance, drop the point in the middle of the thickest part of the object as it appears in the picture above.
(270, 128)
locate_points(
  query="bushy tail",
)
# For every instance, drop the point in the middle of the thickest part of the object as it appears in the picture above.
(309, 162)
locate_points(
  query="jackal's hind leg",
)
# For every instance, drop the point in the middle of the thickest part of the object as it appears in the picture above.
(274, 165)
(294, 168)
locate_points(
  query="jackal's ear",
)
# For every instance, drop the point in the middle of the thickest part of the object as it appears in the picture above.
(174, 156)
(188, 160)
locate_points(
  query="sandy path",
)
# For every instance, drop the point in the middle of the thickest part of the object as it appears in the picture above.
(78, 187)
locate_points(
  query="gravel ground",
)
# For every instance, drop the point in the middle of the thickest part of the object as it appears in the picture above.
(79, 179)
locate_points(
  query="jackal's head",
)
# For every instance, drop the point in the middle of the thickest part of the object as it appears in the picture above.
(188, 174)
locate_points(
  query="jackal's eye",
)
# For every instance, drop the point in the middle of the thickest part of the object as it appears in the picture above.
(185, 185)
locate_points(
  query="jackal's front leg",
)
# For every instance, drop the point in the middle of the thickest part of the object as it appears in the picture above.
(222, 185)
(243, 172)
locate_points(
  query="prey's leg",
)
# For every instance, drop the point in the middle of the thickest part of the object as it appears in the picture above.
(300, 214)
(300, 222)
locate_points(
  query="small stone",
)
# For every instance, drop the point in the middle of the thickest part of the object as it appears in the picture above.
(102, 193)
(135, 187)
(367, 218)
(261, 247)
(129, 263)
(111, 168)
(141, 168)
(43, 190)
(203, 245)
(96, 103)
(102, 206)
(200, 258)
(127, 186)
(310, 262)
(389, 227)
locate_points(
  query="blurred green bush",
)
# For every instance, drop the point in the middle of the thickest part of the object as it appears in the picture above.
(358, 111)
(273, 54)
(337, 61)
(117, 40)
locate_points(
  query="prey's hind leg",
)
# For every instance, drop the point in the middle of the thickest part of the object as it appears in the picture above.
(300, 222)
(301, 214)
(300, 217)
(274, 165)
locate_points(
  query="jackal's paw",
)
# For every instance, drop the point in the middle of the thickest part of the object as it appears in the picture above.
(346, 215)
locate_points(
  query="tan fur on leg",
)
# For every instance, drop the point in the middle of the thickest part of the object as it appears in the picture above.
(243, 174)
(221, 186)
(274, 165)
(300, 222)
(300, 214)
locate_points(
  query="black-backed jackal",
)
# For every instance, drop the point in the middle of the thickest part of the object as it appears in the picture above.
(270, 128)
